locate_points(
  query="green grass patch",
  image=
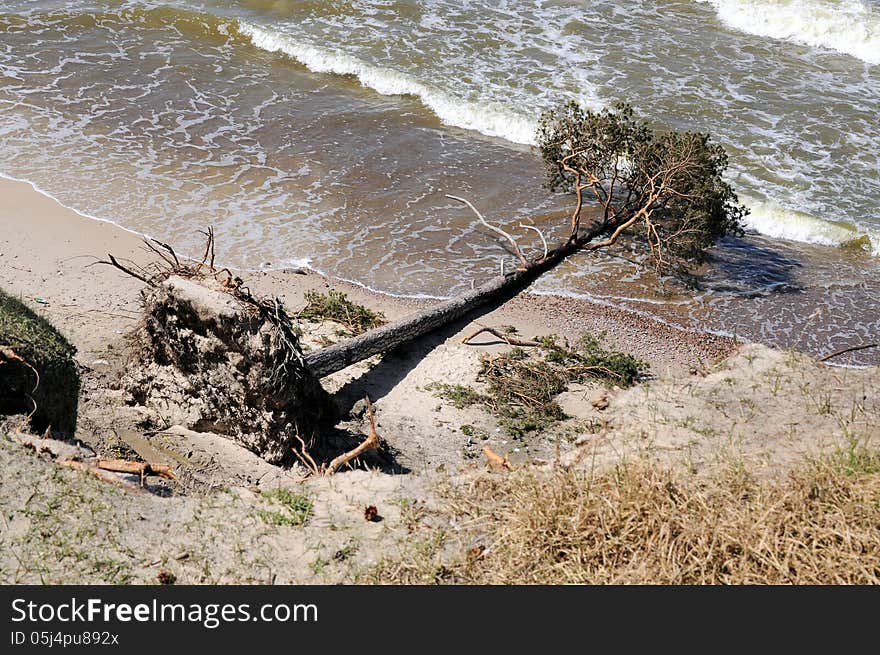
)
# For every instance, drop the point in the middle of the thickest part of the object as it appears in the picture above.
(296, 509)
(41, 346)
(457, 395)
(30, 335)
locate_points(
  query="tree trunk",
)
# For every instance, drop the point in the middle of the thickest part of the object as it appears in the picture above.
(382, 339)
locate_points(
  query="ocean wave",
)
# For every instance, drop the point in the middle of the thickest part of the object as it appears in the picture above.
(486, 117)
(772, 220)
(848, 26)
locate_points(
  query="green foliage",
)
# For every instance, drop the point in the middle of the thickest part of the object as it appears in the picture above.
(336, 306)
(521, 391)
(669, 184)
(590, 360)
(296, 510)
(522, 387)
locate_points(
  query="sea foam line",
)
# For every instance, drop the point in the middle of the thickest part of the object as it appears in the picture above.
(772, 220)
(54, 199)
(495, 120)
(848, 26)
(489, 118)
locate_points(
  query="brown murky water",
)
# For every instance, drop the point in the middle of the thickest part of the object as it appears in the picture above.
(327, 133)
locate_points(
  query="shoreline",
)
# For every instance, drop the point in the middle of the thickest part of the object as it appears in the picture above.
(760, 410)
(47, 252)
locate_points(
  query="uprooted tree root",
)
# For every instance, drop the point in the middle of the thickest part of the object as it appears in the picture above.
(211, 356)
(370, 443)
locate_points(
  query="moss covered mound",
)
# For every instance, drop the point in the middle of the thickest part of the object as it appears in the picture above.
(31, 347)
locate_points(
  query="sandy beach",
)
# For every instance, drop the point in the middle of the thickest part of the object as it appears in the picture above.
(710, 402)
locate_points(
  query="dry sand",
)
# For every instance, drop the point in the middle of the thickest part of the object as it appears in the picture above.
(761, 405)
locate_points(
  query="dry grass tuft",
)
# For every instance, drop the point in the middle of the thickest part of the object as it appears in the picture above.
(641, 524)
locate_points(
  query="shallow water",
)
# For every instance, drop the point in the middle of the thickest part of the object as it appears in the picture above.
(327, 133)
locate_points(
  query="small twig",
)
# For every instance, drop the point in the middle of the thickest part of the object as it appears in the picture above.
(540, 234)
(510, 239)
(506, 338)
(173, 261)
(843, 351)
(371, 443)
(208, 256)
(127, 271)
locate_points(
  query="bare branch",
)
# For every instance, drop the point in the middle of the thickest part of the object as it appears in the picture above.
(509, 339)
(302, 454)
(843, 351)
(540, 234)
(166, 248)
(113, 262)
(510, 239)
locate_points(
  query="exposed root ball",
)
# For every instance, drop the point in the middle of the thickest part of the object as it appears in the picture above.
(211, 357)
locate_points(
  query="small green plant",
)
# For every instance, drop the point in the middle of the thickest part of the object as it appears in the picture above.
(457, 395)
(467, 430)
(318, 565)
(296, 510)
(856, 458)
(335, 306)
(346, 552)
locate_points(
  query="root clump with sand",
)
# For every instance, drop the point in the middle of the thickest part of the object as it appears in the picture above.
(212, 357)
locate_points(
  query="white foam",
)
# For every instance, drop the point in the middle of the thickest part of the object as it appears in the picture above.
(775, 221)
(489, 118)
(848, 26)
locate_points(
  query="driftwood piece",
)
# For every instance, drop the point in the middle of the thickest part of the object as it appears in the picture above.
(851, 349)
(506, 338)
(141, 468)
(101, 474)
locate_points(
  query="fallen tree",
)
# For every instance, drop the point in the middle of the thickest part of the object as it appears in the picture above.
(667, 189)
(219, 359)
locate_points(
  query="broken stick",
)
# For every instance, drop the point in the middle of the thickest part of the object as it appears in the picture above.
(506, 338)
